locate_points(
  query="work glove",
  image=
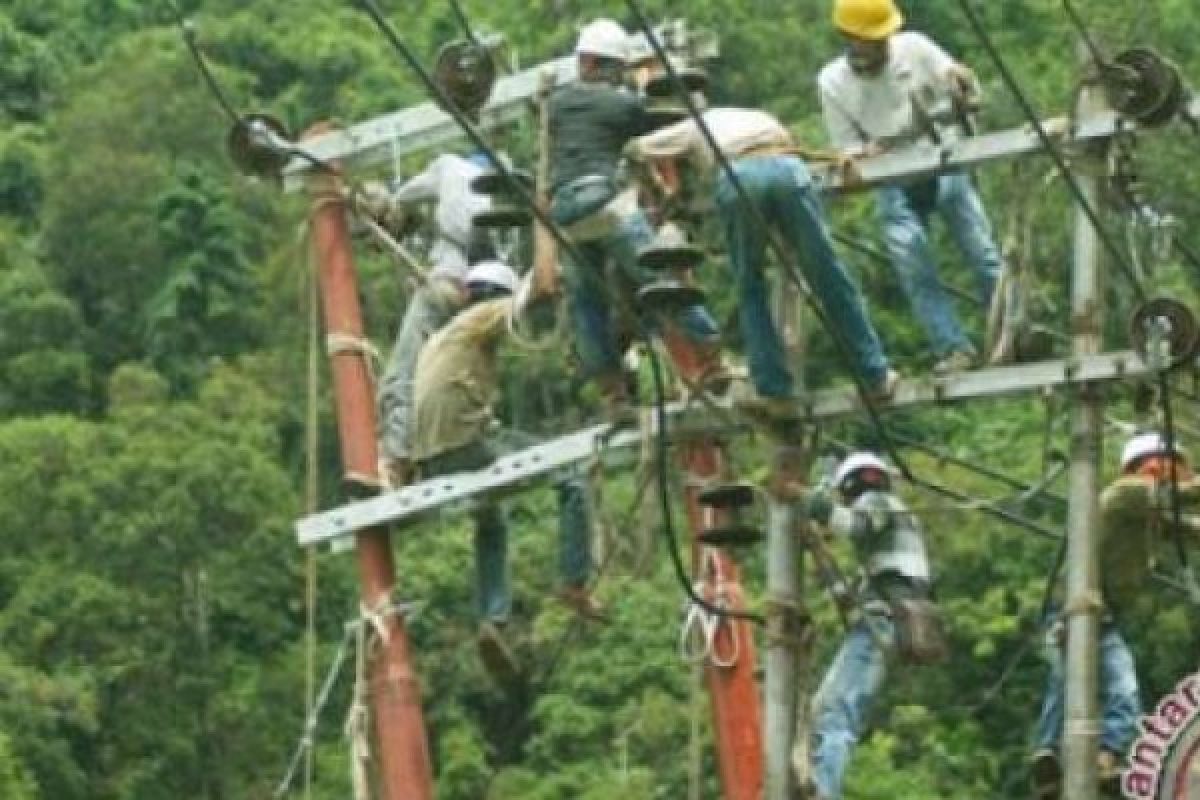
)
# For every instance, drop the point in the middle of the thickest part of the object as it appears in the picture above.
(817, 505)
(964, 87)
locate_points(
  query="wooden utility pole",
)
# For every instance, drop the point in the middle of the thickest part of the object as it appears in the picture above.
(1083, 606)
(404, 768)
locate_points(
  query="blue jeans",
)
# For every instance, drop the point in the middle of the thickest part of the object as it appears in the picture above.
(493, 589)
(589, 289)
(906, 235)
(1118, 690)
(781, 189)
(844, 699)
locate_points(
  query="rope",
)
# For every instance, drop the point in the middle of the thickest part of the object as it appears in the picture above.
(311, 501)
(337, 344)
(357, 719)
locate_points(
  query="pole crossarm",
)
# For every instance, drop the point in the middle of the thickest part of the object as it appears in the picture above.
(383, 139)
(925, 158)
(556, 458)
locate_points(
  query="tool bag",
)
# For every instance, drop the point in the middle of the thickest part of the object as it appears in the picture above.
(920, 630)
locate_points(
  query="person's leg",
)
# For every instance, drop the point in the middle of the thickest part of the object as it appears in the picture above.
(907, 242)
(574, 532)
(842, 703)
(962, 209)
(494, 593)
(802, 214)
(591, 316)
(746, 241)
(1119, 692)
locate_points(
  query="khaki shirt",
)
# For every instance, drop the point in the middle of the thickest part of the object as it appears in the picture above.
(456, 379)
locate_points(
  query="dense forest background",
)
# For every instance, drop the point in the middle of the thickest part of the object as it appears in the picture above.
(154, 327)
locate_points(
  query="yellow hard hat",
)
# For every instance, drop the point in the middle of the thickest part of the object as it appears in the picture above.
(867, 19)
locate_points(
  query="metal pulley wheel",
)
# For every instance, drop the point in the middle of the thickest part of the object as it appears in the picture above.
(1164, 332)
(250, 145)
(508, 210)
(466, 72)
(1144, 85)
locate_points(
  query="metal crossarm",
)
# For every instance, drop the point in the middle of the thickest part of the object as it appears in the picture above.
(558, 457)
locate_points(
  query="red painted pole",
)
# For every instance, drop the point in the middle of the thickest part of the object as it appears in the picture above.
(404, 768)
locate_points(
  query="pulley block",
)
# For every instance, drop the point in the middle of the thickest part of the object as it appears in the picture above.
(670, 251)
(727, 496)
(1164, 332)
(466, 72)
(735, 534)
(253, 152)
(669, 296)
(1144, 85)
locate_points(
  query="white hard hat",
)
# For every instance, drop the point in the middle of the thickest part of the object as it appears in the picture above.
(1144, 444)
(603, 38)
(494, 273)
(856, 461)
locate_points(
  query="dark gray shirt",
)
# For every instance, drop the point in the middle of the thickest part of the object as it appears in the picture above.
(590, 123)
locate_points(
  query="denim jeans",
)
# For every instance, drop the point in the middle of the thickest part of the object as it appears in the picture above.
(493, 589)
(906, 235)
(589, 288)
(1120, 699)
(781, 189)
(427, 312)
(844, 699)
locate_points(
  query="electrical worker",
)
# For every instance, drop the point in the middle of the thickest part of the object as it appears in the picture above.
(590, 121)
(766, 164)
(877, 96)
(897, 612)
(1135, 521)
(455, 384)
(457, 244)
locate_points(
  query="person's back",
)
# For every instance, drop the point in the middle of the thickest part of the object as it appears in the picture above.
(590, 122)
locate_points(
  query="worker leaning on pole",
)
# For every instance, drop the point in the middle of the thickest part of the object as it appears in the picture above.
(780, 190)
(897, 612)
(457, 244)
(1135, 522)
(590, 121)
(455, 386)
(874, 98)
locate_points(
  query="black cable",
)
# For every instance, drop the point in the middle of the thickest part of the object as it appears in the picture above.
(780, 251)
(465, 24)
(188, 29)
(986, 507)
(1051, 148)
(1164, 389)
(987, 472)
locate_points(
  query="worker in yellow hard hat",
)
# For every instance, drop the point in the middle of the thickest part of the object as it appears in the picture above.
(889, 89)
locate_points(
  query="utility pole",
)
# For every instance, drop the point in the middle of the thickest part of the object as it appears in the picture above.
(784, 629)
(1083, 604)
(404, 767)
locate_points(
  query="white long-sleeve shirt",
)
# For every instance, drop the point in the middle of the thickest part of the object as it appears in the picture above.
(862, 109)
(447, 182)
(735, 130)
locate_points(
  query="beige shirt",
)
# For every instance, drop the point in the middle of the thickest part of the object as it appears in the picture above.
(456, 379)
(735, 130)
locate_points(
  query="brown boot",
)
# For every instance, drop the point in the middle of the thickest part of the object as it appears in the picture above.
(580, 600)
(1046, 775)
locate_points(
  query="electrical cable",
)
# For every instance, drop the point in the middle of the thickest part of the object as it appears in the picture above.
(1052, 149)
(781, 252)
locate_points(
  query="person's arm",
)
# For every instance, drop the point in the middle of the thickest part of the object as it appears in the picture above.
(845, 133)
(955, 77)
(673, 141)
(421, 187)
(875, 518)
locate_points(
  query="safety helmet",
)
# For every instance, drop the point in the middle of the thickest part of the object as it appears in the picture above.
(605, 39)
(492, 273)
(867, 19)
(1142, 445)
(857, 462)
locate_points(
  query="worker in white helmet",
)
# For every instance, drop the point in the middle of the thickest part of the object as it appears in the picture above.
(879, 95)
(1136, 520)
(590, 122)
(456, 382)
(897, 616)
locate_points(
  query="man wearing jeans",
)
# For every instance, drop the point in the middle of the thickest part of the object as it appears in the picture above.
(877, 96)
(781, 194)
(590, 121)
(455, 383)
(1135, 520)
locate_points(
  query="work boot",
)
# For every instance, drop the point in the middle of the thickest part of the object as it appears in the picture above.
(958, 361)
(1046, 774)
(883, 391)
(766, 407)
(497, 657)
(1108, 772)
(580, 600)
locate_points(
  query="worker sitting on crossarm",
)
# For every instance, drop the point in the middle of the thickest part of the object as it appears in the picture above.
(897, 613)
(456, 381)
(878, 96)
(1135, 521)
(457, 244)
(780, 192)
(590, 121)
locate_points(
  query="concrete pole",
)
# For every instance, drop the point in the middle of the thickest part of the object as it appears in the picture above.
(1083, 607)
(783, 656)
(404, 765)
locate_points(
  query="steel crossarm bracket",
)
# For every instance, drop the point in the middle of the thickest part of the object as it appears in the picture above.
(558, 457)
(925, 158)
(384, 139)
